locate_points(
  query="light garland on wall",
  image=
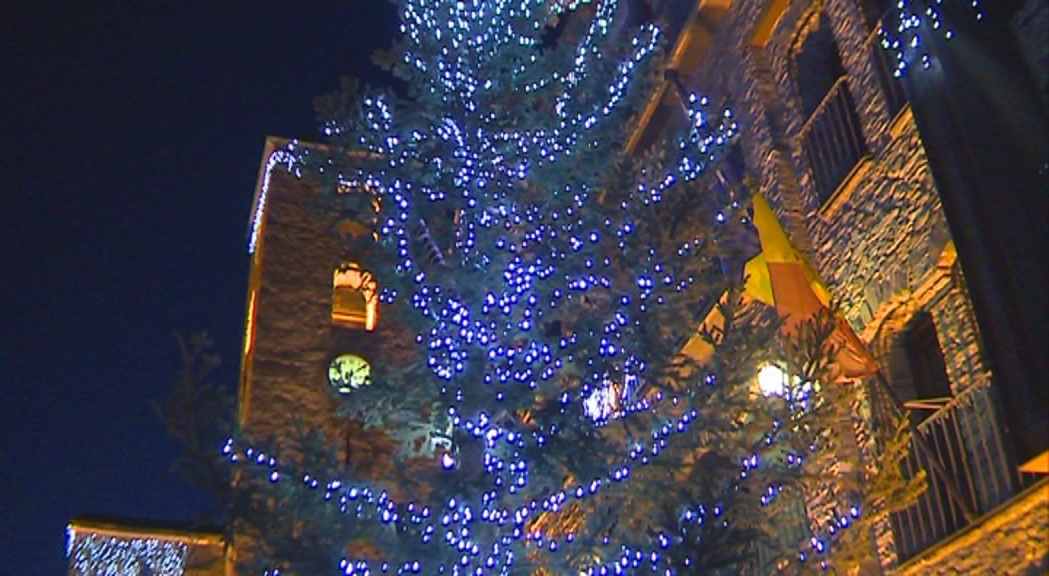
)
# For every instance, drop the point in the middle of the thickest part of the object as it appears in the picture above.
(906, 41)
(284, 157)
(93, 554)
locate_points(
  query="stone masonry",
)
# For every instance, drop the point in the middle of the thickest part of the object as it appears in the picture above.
(292, 339)
(880, 241)
(1011, 540)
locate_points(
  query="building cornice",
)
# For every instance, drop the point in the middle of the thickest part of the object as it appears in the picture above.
(129, 530)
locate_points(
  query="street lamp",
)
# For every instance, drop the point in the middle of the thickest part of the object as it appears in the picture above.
(772, 380)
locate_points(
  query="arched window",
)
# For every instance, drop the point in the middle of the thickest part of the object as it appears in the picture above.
(355, 297)
(925, 359)
(817, 64)
(831, 138)
(942, 427)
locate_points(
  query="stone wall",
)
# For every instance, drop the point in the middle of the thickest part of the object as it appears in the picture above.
(285, 371)
(204, 560)
(293, 339)
(1013, 539)
(883, 233)
(881, 242)
(889, 218)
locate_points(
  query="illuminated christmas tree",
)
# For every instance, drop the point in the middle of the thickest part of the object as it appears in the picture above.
(592, 394)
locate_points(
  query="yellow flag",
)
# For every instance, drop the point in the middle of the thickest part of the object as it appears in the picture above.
(797, 290)
(781, 277)
(776, 249)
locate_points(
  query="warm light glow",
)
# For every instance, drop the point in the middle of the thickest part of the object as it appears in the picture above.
(249, 328)
(1037, 465)
(772, 380)
(765, 27)
(349, 372)
(355, 297)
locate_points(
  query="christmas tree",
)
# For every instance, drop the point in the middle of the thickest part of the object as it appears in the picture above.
(584, 394)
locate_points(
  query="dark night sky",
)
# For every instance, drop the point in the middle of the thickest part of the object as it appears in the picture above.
(132, 134)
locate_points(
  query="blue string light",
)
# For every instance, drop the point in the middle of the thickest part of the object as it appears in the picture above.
(534, 237)
(91, 553)
(915, 21)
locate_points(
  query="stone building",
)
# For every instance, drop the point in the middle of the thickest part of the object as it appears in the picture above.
(311, 323)
(312, 318)
(829, 135)
(827, 132)
(106, 546)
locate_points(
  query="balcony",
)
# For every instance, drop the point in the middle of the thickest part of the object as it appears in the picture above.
(960, 446)
(832, 140)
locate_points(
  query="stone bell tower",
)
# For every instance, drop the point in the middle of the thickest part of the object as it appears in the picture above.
(313, 326)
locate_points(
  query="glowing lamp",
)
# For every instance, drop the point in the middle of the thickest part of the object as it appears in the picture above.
(772, 380)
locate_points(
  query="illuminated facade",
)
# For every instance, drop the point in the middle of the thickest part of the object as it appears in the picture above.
(311, 322)
(828, 134)
(135, 549)
(312, 304)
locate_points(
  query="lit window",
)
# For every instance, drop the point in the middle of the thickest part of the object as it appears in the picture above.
(249, 325)
(355, 297)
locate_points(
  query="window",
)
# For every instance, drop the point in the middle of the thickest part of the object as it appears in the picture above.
(729, 187)
(925, 359)
(817, 65)
(944, 457)
(890, 86)
(728, 178)
(355, 297)
(831, 138)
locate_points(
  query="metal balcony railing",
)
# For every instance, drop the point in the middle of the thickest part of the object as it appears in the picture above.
(832, 139)
(969, 469)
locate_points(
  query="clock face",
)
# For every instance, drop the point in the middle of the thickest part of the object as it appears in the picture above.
(349, 372)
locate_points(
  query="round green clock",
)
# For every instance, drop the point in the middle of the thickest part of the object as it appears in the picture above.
(348, 372)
